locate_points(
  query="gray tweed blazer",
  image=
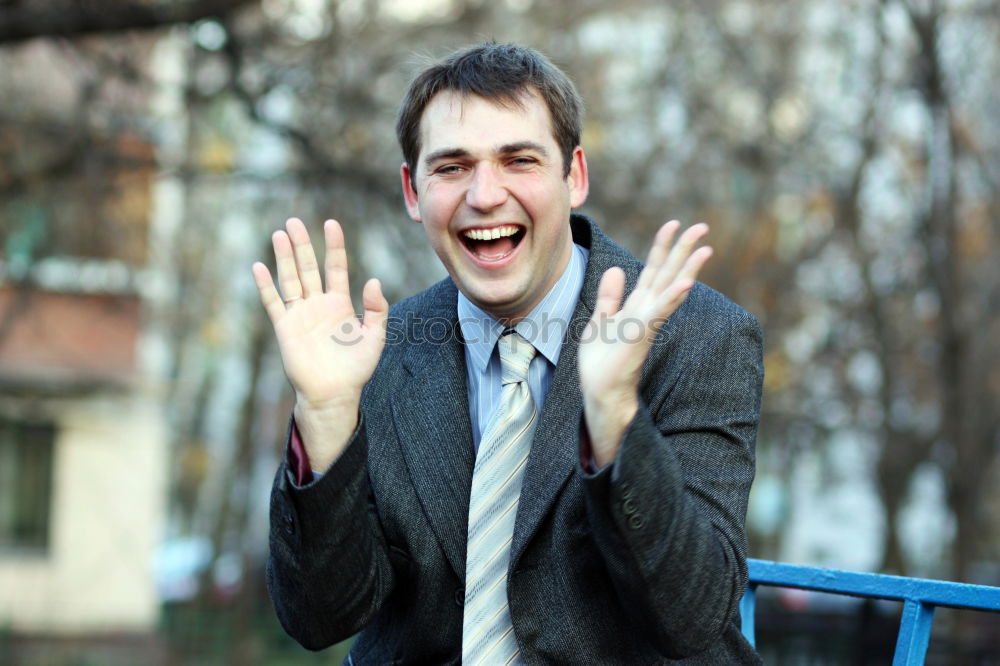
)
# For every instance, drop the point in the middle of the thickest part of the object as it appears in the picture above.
(641, 563)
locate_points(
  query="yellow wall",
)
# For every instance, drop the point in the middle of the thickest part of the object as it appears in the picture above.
(107, 511)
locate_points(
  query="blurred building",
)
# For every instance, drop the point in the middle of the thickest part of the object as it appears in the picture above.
(82, 494)
(83, 442)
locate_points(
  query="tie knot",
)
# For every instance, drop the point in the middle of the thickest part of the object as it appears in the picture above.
(515, 357)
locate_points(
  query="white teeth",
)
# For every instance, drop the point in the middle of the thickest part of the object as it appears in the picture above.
(491, 234)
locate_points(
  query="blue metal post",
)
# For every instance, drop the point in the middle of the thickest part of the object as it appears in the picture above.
(914, 633)
(747, 606)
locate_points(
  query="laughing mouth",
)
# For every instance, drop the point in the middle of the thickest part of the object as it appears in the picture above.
(495, 243)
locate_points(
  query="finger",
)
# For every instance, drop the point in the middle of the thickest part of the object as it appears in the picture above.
(658, 253)
(336, 257)
(288, 274)
(376, 307)
(678, 290)
(269, 296)
(609, 293)
(678, 256)
(692, 267)
(305, 257)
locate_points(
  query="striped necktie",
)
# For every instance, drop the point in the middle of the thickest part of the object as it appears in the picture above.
(487, 632)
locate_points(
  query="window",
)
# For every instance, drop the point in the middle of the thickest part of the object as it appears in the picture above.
(26, 454)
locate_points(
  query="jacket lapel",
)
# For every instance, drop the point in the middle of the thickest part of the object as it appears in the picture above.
(430, 412)
(555, 450)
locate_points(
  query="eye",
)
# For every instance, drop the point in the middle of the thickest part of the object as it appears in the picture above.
(448, 169)
(523, 161)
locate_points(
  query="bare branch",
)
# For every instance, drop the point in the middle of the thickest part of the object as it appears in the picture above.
(21, 20)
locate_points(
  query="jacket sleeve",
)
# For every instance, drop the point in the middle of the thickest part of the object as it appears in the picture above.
(329, 569)
(668, 514)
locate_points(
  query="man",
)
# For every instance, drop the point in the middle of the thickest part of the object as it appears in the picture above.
(523, 463)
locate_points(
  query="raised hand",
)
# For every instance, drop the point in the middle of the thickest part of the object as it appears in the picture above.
(621, 334)
(328, 354)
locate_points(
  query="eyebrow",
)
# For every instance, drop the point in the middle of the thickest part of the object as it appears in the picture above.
(520, 146)
(506, 149)
(444, 153)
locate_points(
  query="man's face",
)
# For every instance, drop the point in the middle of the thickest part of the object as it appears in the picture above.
(492, 197)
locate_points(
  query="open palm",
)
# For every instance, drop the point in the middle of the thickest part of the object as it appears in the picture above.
(328, 353)
(621, 334)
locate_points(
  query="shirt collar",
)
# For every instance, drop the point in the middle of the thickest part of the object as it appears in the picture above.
(544, 327)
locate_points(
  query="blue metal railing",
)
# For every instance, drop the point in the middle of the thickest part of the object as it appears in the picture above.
(919, 596)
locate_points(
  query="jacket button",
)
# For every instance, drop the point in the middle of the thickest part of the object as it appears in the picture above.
(629, 506)
(636, 521)
(289, 524)
(626, 491)
(460, 597)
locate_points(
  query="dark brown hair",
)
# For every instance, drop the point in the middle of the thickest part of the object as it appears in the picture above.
(502, 73)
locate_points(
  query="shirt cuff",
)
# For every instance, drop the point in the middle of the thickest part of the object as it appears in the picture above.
(298, 459)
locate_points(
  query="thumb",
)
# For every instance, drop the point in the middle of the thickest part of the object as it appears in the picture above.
(609, 293)
(376, 307)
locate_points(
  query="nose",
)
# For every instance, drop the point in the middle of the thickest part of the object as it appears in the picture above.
(486, 189)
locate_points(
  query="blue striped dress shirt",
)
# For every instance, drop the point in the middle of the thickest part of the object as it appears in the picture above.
(544, 327)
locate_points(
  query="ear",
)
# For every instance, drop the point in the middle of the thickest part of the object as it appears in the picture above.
(577, 180)
(409, 194)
